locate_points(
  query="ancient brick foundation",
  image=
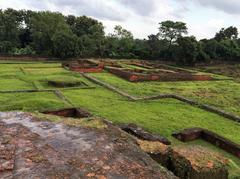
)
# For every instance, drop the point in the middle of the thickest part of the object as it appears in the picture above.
(164, 75)
(84, 66)
(187, 162)
(211, 137)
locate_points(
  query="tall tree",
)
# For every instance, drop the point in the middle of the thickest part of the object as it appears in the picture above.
(171, 31)
(228, 33)
(121, 42)
(10, 22)
(43, 25)
(65, 44)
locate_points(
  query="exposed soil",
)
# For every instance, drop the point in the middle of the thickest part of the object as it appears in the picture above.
(39, 149)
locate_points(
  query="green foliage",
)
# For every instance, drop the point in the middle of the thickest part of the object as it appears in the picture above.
(65, 44)
(120, 43)
(26, 32)
(228, 33)
(187, 50)
(24, 51)
(171, 31)
(43, 26)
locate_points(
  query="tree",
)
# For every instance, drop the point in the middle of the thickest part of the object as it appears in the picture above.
(121, 33)
(171, 31)
(83, 25)
(65, 44)
(10, 21)
(210, 48)
(120, 43)
(187, 50)
(43, 25)
(228, 33)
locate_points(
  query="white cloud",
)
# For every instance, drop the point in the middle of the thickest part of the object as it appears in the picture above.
(228, 6)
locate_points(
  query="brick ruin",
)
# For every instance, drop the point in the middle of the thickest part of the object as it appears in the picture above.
(84, 66)
(211, 137)
(163, 74)
(186, 162)
(195, 162)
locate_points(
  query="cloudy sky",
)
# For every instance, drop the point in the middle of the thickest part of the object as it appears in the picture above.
(204, 17)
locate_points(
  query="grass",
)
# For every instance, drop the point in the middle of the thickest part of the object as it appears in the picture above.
(159, 116)
(31, 101)
(221, 94)
(93, 122)
(14, 84)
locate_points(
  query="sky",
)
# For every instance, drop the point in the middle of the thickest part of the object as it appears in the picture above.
(142, 17)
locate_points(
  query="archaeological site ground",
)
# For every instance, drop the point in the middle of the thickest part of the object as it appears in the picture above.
(118, 119)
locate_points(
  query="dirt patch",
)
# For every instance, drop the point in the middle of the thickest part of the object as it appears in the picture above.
(211, 137)
(70, 112)
(43, 149)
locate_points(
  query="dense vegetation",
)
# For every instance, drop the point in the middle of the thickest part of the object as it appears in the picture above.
(53, 34)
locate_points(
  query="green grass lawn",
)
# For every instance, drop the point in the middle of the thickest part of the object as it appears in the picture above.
(221, 94)
(159, 116)
(31, 101)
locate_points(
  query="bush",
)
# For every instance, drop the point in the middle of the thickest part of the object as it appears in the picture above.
(24, 51)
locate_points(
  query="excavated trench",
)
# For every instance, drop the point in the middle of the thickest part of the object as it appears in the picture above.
(70, 112)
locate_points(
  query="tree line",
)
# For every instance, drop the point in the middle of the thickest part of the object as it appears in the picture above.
(26, 32)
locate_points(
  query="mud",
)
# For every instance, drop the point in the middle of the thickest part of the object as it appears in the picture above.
(38, 149)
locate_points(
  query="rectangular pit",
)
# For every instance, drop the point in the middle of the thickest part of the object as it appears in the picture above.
(70, 112)
(84, 66)
(165, 75)
(192, 134)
